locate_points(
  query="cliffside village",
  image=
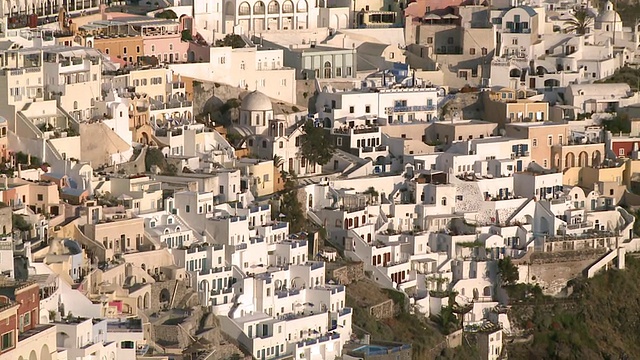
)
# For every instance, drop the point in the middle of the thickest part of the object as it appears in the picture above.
(199, 179)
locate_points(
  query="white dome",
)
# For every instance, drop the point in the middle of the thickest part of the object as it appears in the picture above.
(256, 101)
(608, 15)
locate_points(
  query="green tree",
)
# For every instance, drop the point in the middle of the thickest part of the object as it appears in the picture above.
(291, 207)
(20, 223)
(508, 271)
(618, 124)
(233, 40)
(167, 14)
(154, 157)
(446, 320)
(317, 146)
(579, 23)
(186, 35)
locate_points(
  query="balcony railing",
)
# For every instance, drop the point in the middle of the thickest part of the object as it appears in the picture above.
(415, 108)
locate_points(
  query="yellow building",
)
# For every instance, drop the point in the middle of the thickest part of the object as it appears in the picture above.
(510, 106)
(543, 136)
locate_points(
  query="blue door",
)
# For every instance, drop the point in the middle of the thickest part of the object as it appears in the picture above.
(519, 165)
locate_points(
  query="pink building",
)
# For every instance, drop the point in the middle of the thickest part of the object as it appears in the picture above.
(161, 38)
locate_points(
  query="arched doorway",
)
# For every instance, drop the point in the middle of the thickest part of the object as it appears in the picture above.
(165, 296)
(596, 158)
(45, 354)
(583, 159)
(570, 160)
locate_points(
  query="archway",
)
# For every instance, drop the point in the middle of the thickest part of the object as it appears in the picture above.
(515, 73)
(147, 300)
(165, 296)
(596, 158)
(45, 354)
(33, 355)
(327, 70)
(583, 159)
(570, 160)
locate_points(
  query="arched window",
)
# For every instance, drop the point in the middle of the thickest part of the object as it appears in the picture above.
(274, 8)
(244, 9)
(258, 8)
(287, 7)
(302, 6)
(327, 70)
(443, 201)
(75, 105)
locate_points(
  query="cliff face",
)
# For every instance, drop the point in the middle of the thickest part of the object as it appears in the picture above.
(598, 321)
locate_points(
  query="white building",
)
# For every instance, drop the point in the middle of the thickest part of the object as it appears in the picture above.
(247, 68)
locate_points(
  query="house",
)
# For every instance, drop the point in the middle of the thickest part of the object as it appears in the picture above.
(507, 109)
(247, 68)
(313, 61)
(544, 136)
(460, 43)
(597, 98)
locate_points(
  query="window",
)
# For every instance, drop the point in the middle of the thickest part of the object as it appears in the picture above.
(40, 197)
(534, 142)
(280, 144)
(7, 340)
(106, 51)
(472, 51)
(338, 71)
(514, 41)
(348, 70)
(367, 109)
(484, 51)
(187, 208)
(430, 40)
(127, 345)
(621, 152)
(153, 48)
(223, 60)
(351, 109)
(221, 189)
(544, 163)
(560, 139)
(339, 141)
(242, 67)
(27, 315)
(550, 140)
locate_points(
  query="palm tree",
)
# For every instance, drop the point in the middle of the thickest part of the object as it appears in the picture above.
(581, 21)
(277, 161)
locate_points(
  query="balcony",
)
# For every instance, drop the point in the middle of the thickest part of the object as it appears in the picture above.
(177, 85)
(517, 31)
(369, 130)
(517, 155)
(405, 109)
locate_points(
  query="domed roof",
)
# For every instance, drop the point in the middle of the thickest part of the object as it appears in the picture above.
(256, 101)
(609, 15)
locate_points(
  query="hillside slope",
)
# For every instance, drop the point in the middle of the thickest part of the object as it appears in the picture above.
(601, 320)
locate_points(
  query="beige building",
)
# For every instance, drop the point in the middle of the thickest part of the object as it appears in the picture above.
(448, 132)
(260, 175)
(138, 193)
(507, 106)
(118, 233)
(543, 136)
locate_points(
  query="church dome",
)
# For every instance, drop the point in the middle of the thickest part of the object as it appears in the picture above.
(256, 101)
(608, 15)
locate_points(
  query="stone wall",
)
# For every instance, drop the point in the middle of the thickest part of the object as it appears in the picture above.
(347, 274)
(552, 271)
(384, 310)
(159, 288)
